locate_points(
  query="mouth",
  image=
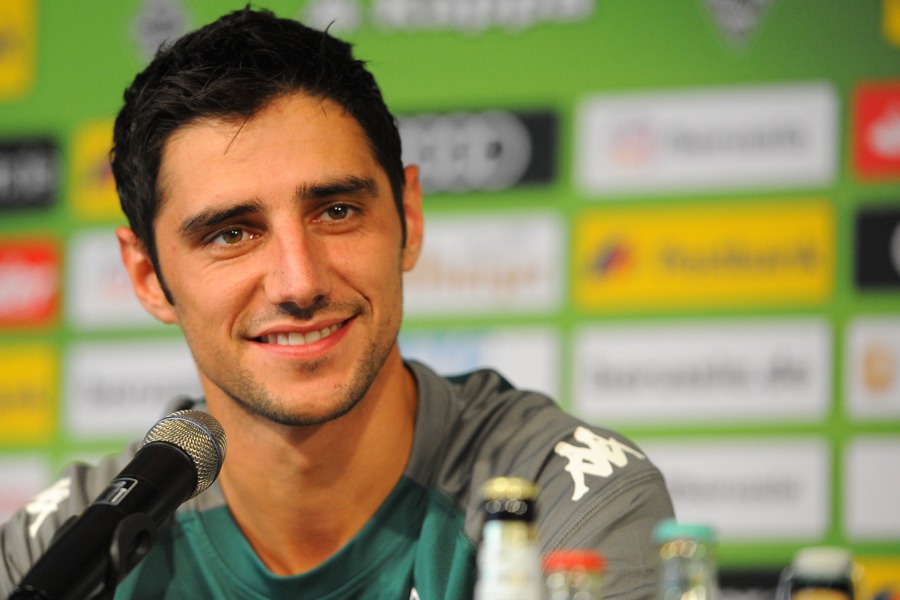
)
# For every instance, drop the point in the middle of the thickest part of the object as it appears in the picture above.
(296, 338)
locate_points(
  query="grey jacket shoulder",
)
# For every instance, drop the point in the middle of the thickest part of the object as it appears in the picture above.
(598, 489)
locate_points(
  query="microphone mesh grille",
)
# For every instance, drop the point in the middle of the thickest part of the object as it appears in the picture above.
(200, 436)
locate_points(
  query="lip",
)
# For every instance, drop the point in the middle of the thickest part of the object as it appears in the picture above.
(293, 338)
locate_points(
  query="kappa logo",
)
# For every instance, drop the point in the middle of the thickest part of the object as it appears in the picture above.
(597, 458)
(47, 503)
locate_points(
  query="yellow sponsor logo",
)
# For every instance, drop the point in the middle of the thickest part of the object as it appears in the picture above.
(737, 256)
(890, 21)
(18, 30)
(94, 196)
(878, 576)
(28, 384)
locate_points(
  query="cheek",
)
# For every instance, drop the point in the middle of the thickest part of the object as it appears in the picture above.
(211, 299)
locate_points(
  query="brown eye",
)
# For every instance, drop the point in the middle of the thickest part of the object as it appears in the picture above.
(338, 212)
(230, 236)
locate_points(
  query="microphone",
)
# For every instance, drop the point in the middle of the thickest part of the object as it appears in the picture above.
(179, 458)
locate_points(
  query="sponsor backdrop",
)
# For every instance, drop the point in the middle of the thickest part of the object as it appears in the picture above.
(681, 219)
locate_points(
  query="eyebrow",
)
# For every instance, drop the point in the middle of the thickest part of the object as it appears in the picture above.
(350, 185)
(212, 217)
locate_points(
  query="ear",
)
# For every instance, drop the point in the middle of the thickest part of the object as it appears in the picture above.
(143, 276)
(412, 213)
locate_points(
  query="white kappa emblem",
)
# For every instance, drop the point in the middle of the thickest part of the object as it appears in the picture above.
(47, 503)
(598, 457)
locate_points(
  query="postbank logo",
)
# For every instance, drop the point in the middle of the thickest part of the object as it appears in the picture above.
(94, 196)
(876, 129)
(18, 31)
(736, 256)
(29, 283)
(28, 383)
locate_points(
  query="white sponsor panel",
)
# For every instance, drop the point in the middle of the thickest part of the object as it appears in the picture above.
(765, 370)
(476, 264)
(120, 389)
(99, 290)
(470, 16)
(476, 15)
(20, 479)
(760, 489)
(872, 488)
(528, 358)
(873, 368)
(728, 138)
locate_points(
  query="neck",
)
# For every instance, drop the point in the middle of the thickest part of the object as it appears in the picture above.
(300, 493)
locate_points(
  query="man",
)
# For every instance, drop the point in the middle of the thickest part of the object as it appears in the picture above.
(260, 173)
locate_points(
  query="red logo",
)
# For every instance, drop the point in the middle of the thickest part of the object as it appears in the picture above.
(877, 130)
(29, 283)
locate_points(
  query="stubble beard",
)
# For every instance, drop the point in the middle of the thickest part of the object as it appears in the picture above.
(257, 400)
(248, 390)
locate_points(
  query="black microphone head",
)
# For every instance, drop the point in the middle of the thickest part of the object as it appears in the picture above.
(200, 436)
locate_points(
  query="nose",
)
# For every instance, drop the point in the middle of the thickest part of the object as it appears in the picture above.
(297, 273)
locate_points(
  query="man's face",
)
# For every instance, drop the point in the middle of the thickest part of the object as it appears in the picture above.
(280, 243)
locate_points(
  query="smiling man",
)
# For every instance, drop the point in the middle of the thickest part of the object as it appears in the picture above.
(271, 219)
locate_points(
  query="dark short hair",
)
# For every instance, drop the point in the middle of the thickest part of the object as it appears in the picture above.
(232, 69)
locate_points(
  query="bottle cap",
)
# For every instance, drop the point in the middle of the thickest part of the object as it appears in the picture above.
(670, 529)
(509, 499)
(575, 559)
(509, 488)
(822, 562)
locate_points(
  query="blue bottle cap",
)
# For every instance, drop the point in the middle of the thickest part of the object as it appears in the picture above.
(670, 529)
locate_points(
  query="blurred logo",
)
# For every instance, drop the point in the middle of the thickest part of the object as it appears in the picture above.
(158, 21)
(114, 388)
(613, 256)
(876, 148)
(737, 19)
(18, 35)
(526, 357)
(94, 196)
(510, 263)
(494, 150)
(710, 371)
(890, 21)
(729, 138)
(29, 283)
(879, 367)
(99, 292)
(739, 256)
(21, 478)
(29, 173)
(872, 361)
(335, 15)
(471, 16)
(28, 384)
(877, 248)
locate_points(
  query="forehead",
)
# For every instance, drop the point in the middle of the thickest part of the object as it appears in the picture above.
(297, 135)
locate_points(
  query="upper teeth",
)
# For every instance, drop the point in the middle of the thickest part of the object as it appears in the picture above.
(298, 339)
